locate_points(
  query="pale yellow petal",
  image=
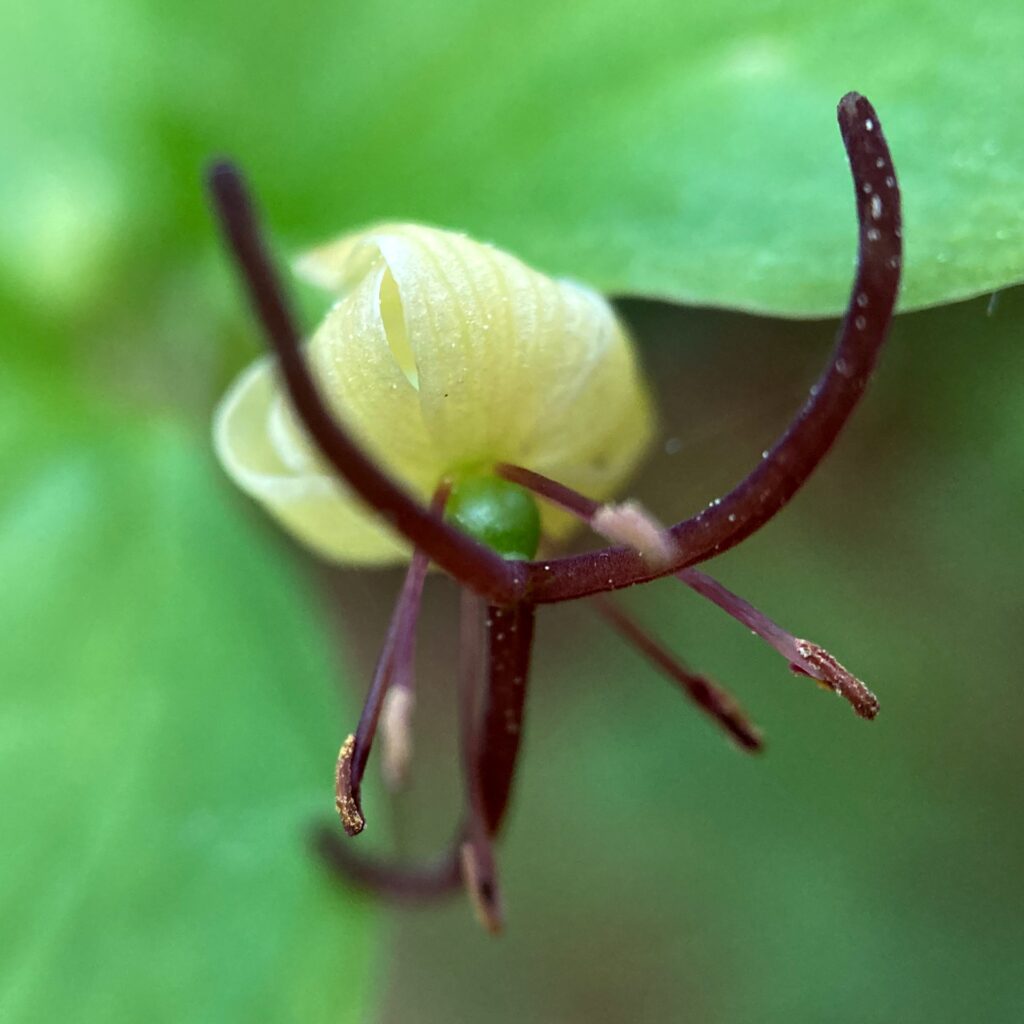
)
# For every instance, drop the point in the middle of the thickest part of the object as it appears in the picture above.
(358, 358)
(512, 365)
(309, 503)
(337, 265)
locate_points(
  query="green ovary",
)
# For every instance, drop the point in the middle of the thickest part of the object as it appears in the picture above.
(497, 513)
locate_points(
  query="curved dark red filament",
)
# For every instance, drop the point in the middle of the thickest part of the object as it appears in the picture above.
(398, 647)
(728, 520)
(719, 705)
(811, 434)
(395, 879)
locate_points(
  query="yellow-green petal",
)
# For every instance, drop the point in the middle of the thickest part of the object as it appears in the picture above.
(310, 504)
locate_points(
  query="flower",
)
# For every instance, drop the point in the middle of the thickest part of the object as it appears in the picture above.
(449, 371)
(444, 357)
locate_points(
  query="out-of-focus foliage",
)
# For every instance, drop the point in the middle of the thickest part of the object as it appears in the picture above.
(166, 669)
(167, 696)
(679, 150)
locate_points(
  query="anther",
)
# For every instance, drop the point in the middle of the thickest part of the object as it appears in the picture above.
(804, 658)
(347, 804)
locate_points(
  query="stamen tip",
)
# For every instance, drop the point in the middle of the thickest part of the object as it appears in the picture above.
(749, 738)
(481, 889)
(848, 104)
(218, 169)
(724, 707)
(346, 801)
(822, 666)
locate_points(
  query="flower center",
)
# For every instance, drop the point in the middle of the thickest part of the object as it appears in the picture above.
(495, 512)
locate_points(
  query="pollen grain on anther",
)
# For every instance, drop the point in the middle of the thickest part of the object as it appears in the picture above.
(346, 804)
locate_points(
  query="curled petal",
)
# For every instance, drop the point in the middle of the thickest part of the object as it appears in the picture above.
(263, 458)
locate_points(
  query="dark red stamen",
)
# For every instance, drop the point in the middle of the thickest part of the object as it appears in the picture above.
(803, 656)
(719, 704)
(470, 859)
(577, 504)
(397, 651)
(396, 712)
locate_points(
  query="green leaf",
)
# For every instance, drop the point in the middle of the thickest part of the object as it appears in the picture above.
(678, 150)
(166, 738)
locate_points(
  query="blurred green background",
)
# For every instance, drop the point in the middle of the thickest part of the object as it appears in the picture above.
(176, 676)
